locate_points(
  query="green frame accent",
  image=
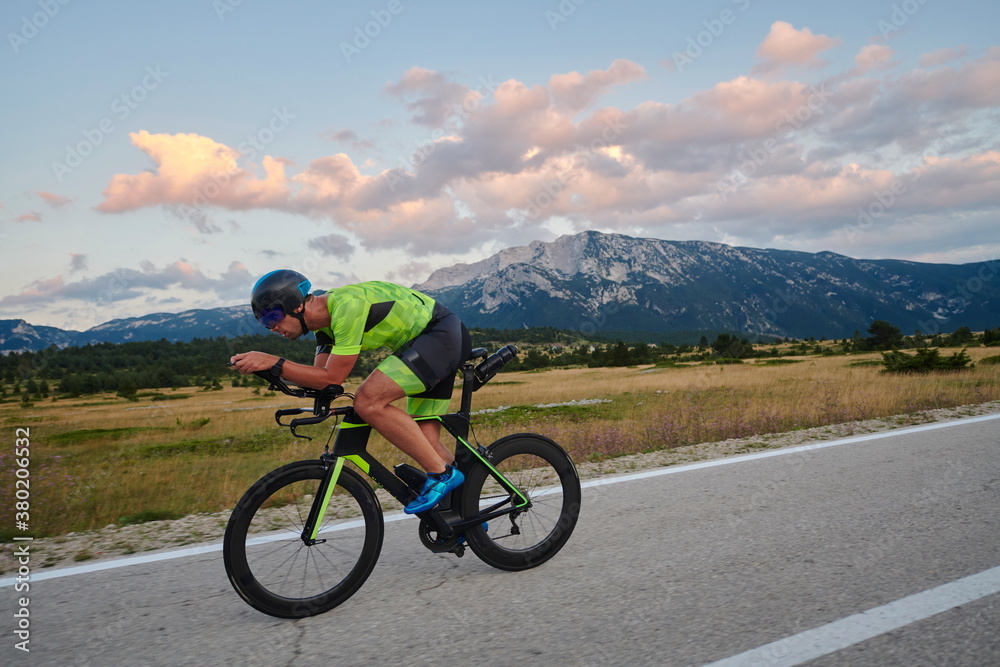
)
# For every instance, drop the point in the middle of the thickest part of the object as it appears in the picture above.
(351, 444)
(335, 475)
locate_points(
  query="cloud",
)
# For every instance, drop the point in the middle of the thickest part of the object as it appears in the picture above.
(193, 171)
(411, 272)
(55, 201)
(574, 91)
(30, 216)
(975, 84)
(77, 263)
(348, 137)
(332, 245)
(786, 46)
(942, 56)
(754, 156)
(437, 98)
(872, 57)
(124, 284)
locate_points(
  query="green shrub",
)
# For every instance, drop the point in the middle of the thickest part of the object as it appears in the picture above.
(990, 361)
(924, 361)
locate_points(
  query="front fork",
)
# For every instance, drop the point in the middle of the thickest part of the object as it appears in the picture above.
(334, 464)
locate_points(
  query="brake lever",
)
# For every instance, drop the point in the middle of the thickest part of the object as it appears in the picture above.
(278, 414)
(295, 423)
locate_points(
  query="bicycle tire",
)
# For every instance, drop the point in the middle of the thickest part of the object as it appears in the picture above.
(270, 566)
(541, 469)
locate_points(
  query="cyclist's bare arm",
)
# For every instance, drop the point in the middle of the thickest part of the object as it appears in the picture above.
(327, 369)
(334, 369)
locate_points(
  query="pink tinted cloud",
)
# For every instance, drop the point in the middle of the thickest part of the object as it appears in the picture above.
(53, 200)
(942, 56)
(533, 152)
(193, 170)
(784, 46)
(575, 91)
(975, 84)
(872, 57)
(30, 216)
(437, 98)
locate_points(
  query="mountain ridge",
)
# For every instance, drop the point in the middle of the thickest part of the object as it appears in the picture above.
(592, 282)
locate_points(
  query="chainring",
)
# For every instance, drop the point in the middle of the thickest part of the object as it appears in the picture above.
(430, 538)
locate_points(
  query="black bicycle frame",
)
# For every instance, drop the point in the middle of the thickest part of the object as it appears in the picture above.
(351, 444)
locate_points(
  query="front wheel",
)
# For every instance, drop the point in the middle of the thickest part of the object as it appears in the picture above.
(526, 537)
(270, 566)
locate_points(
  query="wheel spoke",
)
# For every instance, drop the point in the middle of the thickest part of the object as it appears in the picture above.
(270, 565)
(540, 470)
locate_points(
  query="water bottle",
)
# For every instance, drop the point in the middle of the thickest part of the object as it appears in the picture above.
(492, 365)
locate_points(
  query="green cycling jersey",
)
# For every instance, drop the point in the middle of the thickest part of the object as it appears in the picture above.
(373, 314)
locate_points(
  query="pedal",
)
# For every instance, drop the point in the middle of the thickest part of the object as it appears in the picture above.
(414, 477)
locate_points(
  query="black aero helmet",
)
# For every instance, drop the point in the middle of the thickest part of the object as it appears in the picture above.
(277, 294)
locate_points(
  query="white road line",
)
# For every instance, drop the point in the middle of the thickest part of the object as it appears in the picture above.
(832, 637)
(198, 550)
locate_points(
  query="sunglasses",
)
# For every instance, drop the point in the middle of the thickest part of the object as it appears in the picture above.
(270, 317)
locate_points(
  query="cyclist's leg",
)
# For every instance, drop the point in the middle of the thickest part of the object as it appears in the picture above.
(432, 431)
(373, 401)
(428, 361)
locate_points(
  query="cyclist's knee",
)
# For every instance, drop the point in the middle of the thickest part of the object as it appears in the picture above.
(366, 405)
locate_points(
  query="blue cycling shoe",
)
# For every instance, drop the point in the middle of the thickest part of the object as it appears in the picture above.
(437, 486)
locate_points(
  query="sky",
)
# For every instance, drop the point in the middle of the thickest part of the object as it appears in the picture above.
(159, 157)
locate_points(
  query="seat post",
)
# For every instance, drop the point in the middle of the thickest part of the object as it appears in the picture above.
(468, 371)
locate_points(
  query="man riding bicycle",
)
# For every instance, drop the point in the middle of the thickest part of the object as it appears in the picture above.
(428, 343)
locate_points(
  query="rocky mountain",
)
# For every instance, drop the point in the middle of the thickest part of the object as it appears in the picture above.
(592, 282)
(230, 321)
(19, 336)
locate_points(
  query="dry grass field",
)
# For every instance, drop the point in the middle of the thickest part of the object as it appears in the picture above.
(104, 460)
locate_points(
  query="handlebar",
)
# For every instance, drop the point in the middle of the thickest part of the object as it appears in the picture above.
(321, 402)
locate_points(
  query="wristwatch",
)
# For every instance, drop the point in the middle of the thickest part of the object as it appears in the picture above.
(276, 368)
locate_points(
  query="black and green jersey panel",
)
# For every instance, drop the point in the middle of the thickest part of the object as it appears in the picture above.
(370, 315)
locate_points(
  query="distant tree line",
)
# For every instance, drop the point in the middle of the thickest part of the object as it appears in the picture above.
(128, 368)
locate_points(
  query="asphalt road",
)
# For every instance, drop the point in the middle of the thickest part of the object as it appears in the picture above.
(685, 568)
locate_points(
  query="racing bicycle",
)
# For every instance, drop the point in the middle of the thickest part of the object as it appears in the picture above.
(305, 537)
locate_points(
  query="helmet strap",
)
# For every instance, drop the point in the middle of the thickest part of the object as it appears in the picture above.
(300, 314)
(302, 320)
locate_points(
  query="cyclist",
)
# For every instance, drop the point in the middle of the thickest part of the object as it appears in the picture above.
(428, 344)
